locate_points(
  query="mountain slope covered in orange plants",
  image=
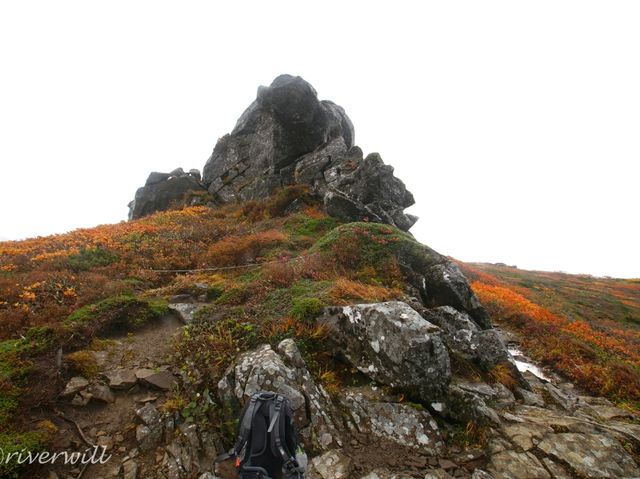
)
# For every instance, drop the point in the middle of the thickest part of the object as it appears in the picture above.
(585, 328)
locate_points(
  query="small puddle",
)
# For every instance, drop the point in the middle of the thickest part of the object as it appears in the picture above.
(524, 364)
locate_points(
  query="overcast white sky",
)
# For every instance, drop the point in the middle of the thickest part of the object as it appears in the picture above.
(515, 124)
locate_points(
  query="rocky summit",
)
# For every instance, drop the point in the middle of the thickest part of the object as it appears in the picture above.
(287, 267)
(285, 137)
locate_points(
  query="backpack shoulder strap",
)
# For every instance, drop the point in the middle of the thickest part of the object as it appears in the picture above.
(278, 432)
(244, 429)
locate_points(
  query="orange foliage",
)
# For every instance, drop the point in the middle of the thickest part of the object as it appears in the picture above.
(601, 361)
(346, 289)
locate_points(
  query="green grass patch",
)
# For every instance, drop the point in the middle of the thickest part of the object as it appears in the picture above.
(89, 258)
(124, 311)
(12, 444)
(306, 308)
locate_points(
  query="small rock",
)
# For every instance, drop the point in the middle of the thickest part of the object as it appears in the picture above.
(446, 464)
(81, 399)
(106, 442)
(74, 386)
(146, 398)
(121, 379)
(130, 469)
(184, 310)
(103, 393)
(163, 380)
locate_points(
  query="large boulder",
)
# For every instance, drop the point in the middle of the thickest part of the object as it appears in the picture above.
(285, 122)
(164, 191)
(283, 372)
(468, 341)
(392, 344)
(287, 136)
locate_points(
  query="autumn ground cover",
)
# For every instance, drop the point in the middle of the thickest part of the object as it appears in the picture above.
(585, 328)
(265, 271)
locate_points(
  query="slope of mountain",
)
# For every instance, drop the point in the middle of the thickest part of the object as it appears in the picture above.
(288, 267)
(585, 327)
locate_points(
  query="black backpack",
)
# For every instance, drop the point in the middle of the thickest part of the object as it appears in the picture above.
(266, 443)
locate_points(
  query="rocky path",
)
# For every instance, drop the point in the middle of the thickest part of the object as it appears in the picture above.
(133, 371)
(551, 431)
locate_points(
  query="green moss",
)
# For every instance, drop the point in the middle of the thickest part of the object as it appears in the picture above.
(118, 311)
(306, 308)
(358, 245)
(89, 258)
(234, 295)
(14, 443)
(302, 225)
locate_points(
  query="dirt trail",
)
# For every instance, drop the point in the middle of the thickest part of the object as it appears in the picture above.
(113, 424)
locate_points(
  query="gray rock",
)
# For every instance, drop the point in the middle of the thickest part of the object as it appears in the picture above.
(464, 337)
(121, 378)
(156, 177)
(74, 386)
(310, 168)
(331, 465)
(150, 433)
(263, 369)
(177, 172)
(163, 380)
(176, 191)
(590, 455)
(375, 193)
(102, 393)
(465, 405)
(517, 465)
(395, 422)
(530, 398)
(287, 136)
(391, 343)
(195, 173)
(185, 311)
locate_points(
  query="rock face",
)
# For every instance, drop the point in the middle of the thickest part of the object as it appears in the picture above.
(370, 414)
(166, 190)
(392, 344)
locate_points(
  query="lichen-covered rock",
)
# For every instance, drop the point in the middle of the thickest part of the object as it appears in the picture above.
(391, 343)
(399, 423)
(331, 465)
(464, 405)
(590, 455)
(463, 336)
(263, 369)
(440, 282)
(150, 432)
(517, 465)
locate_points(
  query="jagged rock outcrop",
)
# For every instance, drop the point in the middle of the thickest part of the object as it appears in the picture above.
(288, 136)
(392, 344)
(163, 191)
